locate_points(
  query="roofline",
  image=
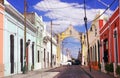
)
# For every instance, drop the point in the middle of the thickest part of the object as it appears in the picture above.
(9, 7)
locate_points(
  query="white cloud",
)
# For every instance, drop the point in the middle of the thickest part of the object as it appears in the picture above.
(65, 13)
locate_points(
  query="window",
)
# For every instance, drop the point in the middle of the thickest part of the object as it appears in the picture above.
(105, 51)
(44, 55)
(32, 53)
(21, 53)
(95, 54)
(38, 56)
(116, 45)
(12, 53)
(48, 58)
(98, 51)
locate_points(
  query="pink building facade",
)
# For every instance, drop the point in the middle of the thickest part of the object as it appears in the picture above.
(1, 39)
(110, 39)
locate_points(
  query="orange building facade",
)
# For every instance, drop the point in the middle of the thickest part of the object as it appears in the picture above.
(109, 40)
(1, 39)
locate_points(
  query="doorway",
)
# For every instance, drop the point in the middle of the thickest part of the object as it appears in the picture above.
(12, 53)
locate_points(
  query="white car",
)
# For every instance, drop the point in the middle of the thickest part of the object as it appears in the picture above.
(66, 63)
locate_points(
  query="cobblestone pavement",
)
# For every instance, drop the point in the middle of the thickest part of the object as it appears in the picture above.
(72, 72)
(96, 73)
(43, 73)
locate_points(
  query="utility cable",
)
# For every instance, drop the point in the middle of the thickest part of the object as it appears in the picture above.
(104, 11)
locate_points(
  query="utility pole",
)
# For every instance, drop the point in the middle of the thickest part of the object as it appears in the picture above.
(85, 20)
(51, 44)
(25, 9)
(62, 50)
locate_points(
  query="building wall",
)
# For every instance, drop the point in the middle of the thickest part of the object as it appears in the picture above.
(41, 29)
(107, 32)
(1, 40)
(93, 34)
(15, 27)
(48, 52)
(84, 50)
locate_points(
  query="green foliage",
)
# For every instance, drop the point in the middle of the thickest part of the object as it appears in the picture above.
(32, 67)
(118, 70)
(99, 65)
(109, 67)
(24, 69)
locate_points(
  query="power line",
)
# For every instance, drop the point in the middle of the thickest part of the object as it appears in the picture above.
(58, 7)
(104, 11)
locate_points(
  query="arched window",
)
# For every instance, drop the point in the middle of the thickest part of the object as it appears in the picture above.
(12, 53)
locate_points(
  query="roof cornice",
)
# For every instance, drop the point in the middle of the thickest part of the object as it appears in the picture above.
(18, 16)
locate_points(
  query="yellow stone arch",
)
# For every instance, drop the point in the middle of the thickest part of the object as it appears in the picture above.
(69, 32)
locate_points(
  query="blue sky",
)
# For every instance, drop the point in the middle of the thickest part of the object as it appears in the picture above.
(66, 12)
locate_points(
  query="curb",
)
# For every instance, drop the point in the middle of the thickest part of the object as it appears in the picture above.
(29, 73)
(87, 73)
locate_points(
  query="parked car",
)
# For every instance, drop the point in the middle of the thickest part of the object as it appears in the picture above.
(66, 63)
(76, 62)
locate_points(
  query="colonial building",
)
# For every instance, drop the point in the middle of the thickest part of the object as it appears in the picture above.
(41, 32)
(94, 44)
(110, 39)
(38, 54)
(48, 53)
(94, 41)
(2, 11)
(84, 50)
(14, 42)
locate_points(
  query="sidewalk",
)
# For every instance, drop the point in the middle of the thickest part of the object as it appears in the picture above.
(96, 73)
(35, 74)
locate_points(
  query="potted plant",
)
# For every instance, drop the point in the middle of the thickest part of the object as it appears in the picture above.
(99, 65)
(32, 67)
(118, 70)
(109, 68)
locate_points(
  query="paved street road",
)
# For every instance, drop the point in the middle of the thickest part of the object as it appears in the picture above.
(70, 72)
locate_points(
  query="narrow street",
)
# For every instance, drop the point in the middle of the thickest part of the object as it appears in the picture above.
(72, 72)
(60, 38)
(59, 72)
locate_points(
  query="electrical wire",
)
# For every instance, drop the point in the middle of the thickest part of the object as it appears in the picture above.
(104, 11)
(57, 8)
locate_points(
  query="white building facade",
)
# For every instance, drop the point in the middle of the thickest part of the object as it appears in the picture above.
(13, 55)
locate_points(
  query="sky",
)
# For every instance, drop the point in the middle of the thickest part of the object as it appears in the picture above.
(66, 12)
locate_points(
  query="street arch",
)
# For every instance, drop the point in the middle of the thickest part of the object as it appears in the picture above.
(69, 32)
